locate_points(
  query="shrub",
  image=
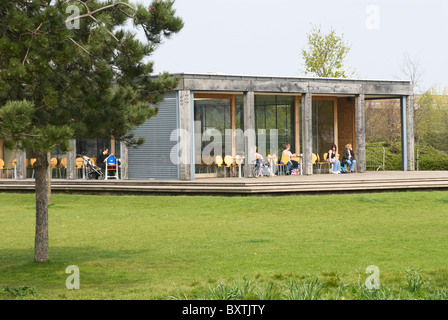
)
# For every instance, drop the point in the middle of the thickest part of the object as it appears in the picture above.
(19, 291)
(429, 158)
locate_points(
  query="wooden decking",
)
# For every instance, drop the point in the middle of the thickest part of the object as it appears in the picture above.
(263, 186)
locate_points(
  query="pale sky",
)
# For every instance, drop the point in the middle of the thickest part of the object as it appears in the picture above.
(261, 37)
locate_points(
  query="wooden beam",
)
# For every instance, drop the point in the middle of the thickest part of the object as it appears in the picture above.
(202, 95)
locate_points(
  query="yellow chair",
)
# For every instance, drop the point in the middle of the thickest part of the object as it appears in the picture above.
(32, 161)
(63, 165)
(14, 168)
(2, 168)
(283, 164)
(80, 165)
(330, 165)
(314, 159)
(221, 164)
(324, 162)
(54, 166)
(93, 160)
(228, 160)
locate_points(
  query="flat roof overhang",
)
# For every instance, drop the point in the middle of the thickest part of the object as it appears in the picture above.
(372, 89)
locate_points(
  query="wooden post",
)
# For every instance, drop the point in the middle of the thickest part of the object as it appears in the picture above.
(249, 132)
(410, 132)
(112, 146)
(185, 136)
(404, 133)
(124, 160)
(307, 133)
(336, 125)
(297, 123)
(233, 119)
(71, 160)
(21, 164)
(360, 127)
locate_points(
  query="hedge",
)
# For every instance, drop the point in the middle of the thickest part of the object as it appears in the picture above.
(430, 159)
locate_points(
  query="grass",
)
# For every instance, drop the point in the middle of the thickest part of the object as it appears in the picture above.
(181, 247)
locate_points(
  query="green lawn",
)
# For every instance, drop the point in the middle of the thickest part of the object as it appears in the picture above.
(147, 247)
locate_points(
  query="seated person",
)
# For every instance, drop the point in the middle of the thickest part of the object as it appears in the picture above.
(102, 158)
(333, 158)
(349, 158)
(257, 156)
(259, 160)
(291, 163)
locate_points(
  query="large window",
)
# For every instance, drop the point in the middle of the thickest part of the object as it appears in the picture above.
(323, 126)
(92, 147)
(216, 118)
(274, 112)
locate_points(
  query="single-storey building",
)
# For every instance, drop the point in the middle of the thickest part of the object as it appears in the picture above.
(220, 114)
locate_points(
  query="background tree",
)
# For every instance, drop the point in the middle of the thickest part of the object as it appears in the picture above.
(383, 122)
(73, 68)
(325, 54)
(410, 69)
(431, 119)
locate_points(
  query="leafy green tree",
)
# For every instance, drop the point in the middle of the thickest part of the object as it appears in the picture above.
(325, 54)
(431, 119)
(73, 68)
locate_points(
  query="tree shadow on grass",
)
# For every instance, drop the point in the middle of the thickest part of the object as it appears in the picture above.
(96, 266)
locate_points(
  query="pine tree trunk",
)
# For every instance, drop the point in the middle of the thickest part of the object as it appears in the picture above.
(48, 179)
(41, 237)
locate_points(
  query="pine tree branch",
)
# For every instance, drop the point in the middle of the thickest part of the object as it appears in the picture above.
(91, 13)
(81, 47)
(34, 33)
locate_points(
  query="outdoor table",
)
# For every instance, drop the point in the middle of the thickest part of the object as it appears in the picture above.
(299, 160)
(239, 160)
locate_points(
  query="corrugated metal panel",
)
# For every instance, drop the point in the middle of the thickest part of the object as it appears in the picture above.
(152, 159)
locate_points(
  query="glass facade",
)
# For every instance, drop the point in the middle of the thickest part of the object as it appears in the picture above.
(214, 120)
(91, 147)
(323, 126)
(274, 112)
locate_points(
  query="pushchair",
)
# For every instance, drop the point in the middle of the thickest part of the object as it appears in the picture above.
(92, 171)
(261, 168)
